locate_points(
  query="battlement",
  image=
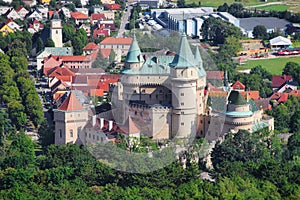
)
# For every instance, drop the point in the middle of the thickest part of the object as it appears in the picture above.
(155, 107)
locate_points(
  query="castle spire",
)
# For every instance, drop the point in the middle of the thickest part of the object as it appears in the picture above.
(199, 61)
(184, 56)
(134, 54)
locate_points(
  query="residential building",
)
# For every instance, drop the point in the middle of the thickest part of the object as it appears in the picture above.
(83, 10)
(119, 45)
(12, 14)
(280, 43)
(79, 17)
(22, 11)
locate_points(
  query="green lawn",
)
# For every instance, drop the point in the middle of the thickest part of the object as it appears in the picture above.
(216, 3)
(274, 66)
(278, 8)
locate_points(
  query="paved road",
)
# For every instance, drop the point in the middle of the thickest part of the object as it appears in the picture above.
(124, 21)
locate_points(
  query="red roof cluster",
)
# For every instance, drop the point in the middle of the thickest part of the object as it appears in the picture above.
(277, 81)
(90, 46)
(98, 16)
(79, 15)
(71, 103)
(238, 86)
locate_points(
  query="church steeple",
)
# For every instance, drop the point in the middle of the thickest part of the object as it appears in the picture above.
(184, 56)
(199, 62)
(134, 54)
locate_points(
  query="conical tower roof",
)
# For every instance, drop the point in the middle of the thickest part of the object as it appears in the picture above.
(55, 16)
(199, 60)
(184, 56)
(236, 98)
(134, 53)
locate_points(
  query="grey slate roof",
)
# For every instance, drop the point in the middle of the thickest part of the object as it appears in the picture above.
(269, 22)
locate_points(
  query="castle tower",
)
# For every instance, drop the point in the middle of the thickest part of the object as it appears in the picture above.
(184, 75)
(69, 118)
(56, 30)
(134, 58)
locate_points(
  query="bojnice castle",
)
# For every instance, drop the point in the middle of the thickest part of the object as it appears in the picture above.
(162, 97)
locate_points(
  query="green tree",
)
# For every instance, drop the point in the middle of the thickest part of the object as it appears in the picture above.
(181, 3)
(39, 45)
(19, 63)
(295, 122)
(78, 45)
(260, 32)
(292, 68)
(20, 153)
(68, 31)
(17, 48)
(16, 114)
(46, 134)
(50, 43)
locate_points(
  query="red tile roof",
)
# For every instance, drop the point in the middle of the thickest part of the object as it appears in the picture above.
(97, 16)
(277, 81)
(251, 94)
(238, 86)
(101, 32)
(71, 103)
(79, 15)
(105, 52)
(295, 93)
(90, 46)
(280, 97)
(8, 21)
(60, 71)
(117, 41)
(113, 6)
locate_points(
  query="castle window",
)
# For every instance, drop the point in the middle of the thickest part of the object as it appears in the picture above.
(150, 96)
(192, 73)
(201, 132)
(160, 102)
(201, 121)
(78, 115)
(156, 96)
(182, 113)
(71, 133)
(60, 133)
(182, 94)
(97, 137)
(182, 123)
(160, 91)
(89, 135)
(143, 90)
(135, 112)
(182, 104)
(93, 137)
(56, 31)
(208, 122)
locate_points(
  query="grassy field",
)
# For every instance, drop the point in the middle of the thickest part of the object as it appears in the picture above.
(216, 3)
(274, 66)
(274, 8)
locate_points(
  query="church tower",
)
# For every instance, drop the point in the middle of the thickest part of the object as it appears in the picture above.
(56, 30)
(184, 76)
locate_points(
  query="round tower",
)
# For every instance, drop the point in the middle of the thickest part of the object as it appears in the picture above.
(184, 75)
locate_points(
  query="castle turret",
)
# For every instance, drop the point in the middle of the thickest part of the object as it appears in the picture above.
(134, 58)
(199, 60)
(184, 75)
(70, 117)
(56, 30)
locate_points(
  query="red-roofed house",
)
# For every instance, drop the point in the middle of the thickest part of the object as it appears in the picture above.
(90, 48)
(97, 17)
(101, 32)
(12, 24)
(22, 11)
(278, 81)
(113, 6)
(238, 86)
(121, 45)
(79, 17)
(69, 118)
(280, 97)
(35, 26)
